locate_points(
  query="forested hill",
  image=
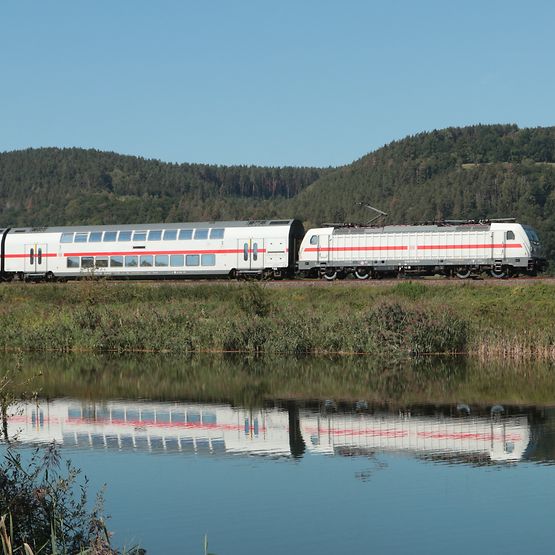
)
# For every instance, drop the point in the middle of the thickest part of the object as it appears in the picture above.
(70, 186)
(471, 172)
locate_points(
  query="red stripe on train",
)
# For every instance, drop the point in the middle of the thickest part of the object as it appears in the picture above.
(470, 435)
(340, 249)
(476, 246)
(419, 247)
(25, 255)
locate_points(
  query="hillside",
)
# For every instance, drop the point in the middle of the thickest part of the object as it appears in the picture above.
(471, 172)
(70, 186)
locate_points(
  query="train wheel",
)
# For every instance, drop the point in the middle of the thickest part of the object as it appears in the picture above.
(463, 273)
(498, 273)
(330, 274)
(362, 273)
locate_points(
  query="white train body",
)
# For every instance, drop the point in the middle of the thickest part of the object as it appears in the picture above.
(152, 250)
(271, 248)
(502, 248)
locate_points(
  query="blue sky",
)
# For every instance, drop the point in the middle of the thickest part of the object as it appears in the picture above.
(273, 83)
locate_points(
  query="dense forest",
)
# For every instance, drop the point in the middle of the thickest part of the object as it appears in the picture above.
(70, 186)
(472, 172)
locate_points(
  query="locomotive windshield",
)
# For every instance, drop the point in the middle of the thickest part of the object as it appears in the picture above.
(532, 235)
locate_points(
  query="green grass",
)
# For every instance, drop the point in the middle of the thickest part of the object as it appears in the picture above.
(398, 320)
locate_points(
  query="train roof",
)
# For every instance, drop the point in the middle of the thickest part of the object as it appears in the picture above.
(424, 228)
(177, 225)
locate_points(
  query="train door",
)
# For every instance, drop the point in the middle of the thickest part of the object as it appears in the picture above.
(35, 259)
(250, 254)
(498, 245)
(323, 248)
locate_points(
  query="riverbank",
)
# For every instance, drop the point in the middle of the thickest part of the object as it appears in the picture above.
(396, 321)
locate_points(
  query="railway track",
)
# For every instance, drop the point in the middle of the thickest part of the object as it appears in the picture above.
(293, 283)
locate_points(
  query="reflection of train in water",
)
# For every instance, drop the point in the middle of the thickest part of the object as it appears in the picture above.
(476, 438)
(223, 429)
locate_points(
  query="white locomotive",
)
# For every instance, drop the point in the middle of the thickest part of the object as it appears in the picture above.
(268, 248)
(460, 249)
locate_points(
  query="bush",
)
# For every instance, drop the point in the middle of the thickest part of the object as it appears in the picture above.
(44, 510)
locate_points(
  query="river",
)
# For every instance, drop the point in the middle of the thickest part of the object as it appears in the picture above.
(281, 473)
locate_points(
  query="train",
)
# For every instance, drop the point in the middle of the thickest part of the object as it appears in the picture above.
(270, 249)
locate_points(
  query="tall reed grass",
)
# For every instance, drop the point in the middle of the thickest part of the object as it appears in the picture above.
(401, 320)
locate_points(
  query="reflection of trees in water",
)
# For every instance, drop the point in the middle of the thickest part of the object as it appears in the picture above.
(15, 386)
(250, 380)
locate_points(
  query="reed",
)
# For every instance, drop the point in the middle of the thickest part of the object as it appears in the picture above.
(400, 320)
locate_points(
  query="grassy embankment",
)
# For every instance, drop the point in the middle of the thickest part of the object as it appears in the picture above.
(393, 322)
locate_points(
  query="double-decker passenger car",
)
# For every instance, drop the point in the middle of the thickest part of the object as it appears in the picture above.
(257, 247)
(502, 248)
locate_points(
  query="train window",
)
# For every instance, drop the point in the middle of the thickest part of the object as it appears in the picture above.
(110, 236)
(201, 234)
(314, 240)
(178, 417)
(101, 262)
(116, 261)
(131, 261)
(208, 260)
(132, 415)
(87, 262)
(67, 238)
(193, 417)
(95, 237)
(39, 256)
(154, 235)
(246, 251)
(185, 234)
(73, 262)
(255, 251)
(124, 236)
(170, 235)
(139, 236)
(177, 260)
(192, 260)
(510, 235)
(32, 256)
(209, 418)
(118, 415)
(217, 233)
(161, 260)
(146, 261)
(81, 237)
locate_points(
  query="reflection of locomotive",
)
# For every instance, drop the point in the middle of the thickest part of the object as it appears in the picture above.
(496, 439)
(272, 248)
(222, 429)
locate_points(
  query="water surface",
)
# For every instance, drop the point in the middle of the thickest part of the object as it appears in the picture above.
(369, 471)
